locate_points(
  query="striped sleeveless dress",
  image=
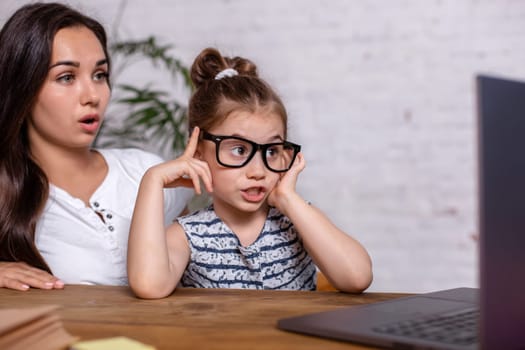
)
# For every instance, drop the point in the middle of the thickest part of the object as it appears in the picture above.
(276, 260)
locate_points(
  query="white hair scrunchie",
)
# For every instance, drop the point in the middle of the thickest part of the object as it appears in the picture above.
(228, 72)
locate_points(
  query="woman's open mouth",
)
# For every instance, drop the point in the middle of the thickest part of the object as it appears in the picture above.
(90, 123)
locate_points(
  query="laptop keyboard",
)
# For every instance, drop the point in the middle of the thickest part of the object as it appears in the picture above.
(458, 328)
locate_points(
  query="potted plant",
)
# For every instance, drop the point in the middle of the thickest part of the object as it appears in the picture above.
(146, 116)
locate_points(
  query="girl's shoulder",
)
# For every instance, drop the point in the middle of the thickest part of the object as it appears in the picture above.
(275, 216)
(203, 215)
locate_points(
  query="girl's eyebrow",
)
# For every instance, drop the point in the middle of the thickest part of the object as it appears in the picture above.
(277, 138)
(77, 64)
(272, 139)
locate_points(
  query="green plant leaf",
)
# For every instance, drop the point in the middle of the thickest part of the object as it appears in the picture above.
(148, 111)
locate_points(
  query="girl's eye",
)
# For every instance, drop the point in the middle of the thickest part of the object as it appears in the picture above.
(238, 151)
(66, 78)
(273, 151)
(101, 76)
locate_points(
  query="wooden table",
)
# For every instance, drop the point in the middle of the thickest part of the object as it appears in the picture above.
(191, 318)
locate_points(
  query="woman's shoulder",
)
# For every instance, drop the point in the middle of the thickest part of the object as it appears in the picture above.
(130, 154)
(130, 158)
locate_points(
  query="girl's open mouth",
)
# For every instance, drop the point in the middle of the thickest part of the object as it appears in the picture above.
(254, 194)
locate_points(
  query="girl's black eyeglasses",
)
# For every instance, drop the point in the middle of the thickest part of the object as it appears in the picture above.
(236, 152)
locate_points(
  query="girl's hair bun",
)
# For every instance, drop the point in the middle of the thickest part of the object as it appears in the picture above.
(210, 63)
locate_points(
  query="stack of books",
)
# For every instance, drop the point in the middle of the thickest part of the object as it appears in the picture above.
(33, 328)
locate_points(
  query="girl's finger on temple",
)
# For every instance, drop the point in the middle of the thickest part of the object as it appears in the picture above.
(192, 142)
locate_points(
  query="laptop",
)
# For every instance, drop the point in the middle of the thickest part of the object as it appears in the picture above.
(491, 317)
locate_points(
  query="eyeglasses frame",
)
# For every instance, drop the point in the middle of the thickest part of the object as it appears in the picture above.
(217, 139)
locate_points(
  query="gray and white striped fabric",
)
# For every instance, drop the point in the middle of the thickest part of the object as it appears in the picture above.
(276, 260)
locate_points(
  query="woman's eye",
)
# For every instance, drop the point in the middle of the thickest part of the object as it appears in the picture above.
(66, 78)
(101, 76)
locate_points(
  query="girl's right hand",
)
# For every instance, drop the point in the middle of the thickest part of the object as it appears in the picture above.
(21, 276)
(185, 171)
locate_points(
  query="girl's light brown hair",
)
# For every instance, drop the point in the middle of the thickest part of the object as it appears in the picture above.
(214, 99)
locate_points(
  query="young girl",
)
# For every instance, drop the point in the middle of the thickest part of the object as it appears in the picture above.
(65, 208)
(258, 232)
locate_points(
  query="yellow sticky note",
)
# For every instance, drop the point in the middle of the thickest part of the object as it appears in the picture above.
(121, 343)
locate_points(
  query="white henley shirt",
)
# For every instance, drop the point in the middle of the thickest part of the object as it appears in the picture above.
(88, 245)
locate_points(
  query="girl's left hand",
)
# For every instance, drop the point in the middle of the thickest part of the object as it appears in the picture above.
(285, 188)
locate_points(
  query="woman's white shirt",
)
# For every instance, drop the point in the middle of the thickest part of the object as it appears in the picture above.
(88, 245)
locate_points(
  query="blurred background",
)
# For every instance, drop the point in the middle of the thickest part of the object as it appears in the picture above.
(381, 94)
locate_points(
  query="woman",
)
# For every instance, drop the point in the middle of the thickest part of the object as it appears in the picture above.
(65, 208)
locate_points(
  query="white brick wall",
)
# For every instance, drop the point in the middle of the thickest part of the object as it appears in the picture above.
(380, 94)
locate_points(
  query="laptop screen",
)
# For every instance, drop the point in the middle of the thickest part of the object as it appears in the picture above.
(501, 147)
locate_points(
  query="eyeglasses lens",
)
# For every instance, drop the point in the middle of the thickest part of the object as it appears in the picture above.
(234, 152)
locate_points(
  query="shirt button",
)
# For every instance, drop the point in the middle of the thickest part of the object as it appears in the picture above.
(109, 216)
(96, 204)
(111, 228)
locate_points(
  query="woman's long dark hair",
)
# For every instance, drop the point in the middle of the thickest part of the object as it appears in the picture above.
(26, 41)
